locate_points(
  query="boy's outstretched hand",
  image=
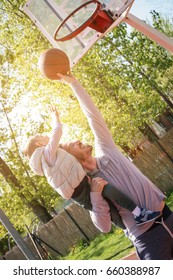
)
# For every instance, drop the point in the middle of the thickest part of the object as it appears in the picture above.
(54, 113)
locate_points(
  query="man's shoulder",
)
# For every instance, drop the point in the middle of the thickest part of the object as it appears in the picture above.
(103, 160)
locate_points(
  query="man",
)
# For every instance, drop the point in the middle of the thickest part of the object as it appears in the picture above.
(153, 240)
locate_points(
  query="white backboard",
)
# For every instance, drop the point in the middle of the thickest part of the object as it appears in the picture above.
(49, 14)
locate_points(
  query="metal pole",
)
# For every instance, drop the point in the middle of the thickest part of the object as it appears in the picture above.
(150, 32)
(17, 238)
(30, 236)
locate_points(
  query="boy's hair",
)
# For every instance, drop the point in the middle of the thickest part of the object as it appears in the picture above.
(30, 147)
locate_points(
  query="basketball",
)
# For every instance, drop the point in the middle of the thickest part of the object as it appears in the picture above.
(53, 61)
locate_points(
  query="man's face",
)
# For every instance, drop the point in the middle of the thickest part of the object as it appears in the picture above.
(78, 149)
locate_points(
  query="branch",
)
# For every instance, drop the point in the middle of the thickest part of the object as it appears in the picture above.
(18, 152)
(13, 10)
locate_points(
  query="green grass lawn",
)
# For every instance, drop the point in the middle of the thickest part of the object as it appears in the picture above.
(110, 246)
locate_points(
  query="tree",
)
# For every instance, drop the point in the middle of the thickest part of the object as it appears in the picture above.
(15, 81)
(38, 209)
(129, 75)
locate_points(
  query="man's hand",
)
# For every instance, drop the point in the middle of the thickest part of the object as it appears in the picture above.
(68, 79)
(97, 184)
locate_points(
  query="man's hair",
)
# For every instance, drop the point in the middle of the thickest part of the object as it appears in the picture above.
(30, 147)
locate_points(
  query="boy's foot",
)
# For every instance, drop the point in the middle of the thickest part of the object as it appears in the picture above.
(146, 216)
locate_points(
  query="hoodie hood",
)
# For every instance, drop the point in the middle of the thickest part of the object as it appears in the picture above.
(35, 161)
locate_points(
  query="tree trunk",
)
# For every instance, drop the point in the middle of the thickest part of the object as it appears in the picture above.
(39, 210)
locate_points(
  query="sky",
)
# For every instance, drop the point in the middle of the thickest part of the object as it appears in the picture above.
(142, 8)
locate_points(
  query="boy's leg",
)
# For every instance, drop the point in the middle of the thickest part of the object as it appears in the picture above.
(115, 216)
(81, 194)
(141, 215)
(115, 195)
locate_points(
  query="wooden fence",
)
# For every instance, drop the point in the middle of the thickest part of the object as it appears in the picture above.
(61, 233)
(156, 162)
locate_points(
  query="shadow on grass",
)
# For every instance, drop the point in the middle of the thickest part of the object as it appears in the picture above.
(121, 251)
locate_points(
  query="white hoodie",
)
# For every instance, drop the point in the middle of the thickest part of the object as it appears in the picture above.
(64, 176)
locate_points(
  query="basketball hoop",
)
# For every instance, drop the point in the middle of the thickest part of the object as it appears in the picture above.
(99, 21)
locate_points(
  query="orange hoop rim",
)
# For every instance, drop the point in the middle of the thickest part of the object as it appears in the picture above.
(80, 28)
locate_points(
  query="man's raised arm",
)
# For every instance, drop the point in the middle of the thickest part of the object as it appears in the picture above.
(97, 124)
